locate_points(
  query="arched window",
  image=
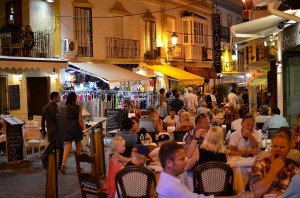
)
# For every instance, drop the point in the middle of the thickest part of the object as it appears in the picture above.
(229, 20)
(238, 20)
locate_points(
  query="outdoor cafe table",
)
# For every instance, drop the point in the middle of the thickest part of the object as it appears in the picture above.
(241, 171)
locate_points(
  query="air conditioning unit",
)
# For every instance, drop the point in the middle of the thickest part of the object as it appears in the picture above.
(69, 46)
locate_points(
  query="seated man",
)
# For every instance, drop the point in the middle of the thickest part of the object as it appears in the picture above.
(139, 155)
(172, 158)
(245, 140)
(272, 173)
(196, 136)
(275, 121)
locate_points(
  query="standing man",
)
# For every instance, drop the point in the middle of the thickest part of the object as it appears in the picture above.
(245, 97)
(233, 98)
(191, 100)
(177, 104)
(49, 121)
(172, 159)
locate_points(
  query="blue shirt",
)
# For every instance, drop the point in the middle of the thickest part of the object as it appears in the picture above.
(276, 121)
(293, 190)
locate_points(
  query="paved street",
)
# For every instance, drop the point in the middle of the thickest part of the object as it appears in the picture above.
(28, 179)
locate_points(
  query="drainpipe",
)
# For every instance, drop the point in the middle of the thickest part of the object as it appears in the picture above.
(272, 10)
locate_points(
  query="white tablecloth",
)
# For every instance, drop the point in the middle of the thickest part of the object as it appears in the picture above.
(241, 170)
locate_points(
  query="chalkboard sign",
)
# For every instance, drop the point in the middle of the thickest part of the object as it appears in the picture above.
(113, 119)
(14, 97)
(14, 142)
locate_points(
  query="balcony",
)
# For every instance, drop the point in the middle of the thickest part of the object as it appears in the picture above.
(14, 43)
(122, 48)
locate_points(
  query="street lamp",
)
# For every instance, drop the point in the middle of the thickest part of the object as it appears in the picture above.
(174, 39)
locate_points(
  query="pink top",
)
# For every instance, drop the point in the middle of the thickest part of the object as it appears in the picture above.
(114, 166)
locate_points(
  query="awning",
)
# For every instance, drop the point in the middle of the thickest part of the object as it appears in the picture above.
(262, 65)
(259, 81)
(258, 28)
(11, 62)
(108, 71)
(207, 73)
(184, 78)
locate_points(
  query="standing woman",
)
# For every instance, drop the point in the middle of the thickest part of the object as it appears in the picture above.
(75, 126)
(29, 40)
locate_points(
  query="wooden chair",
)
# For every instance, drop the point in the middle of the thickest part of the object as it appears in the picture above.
(135, 181)
(213, 178)
(89, 182)
(33, 139)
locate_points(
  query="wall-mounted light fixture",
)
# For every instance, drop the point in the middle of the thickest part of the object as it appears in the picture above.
(49, 1)
(19, 76)
(174, 39)
(53, 75)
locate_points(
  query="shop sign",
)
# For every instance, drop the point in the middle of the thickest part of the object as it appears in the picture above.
(290, 37)
(217, 43)
(233, 79)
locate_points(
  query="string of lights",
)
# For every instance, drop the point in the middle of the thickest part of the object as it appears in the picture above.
(135, 14)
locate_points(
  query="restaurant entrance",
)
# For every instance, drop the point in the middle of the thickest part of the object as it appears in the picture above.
(37, 94)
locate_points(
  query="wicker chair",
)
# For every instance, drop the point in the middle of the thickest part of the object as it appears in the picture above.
(135, 181)
(213, 178)
(89, 183)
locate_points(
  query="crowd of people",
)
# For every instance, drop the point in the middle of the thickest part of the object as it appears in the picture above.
(204, 141)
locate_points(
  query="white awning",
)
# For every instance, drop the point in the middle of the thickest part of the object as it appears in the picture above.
(12, 62)
(258, 28)
(111, 73)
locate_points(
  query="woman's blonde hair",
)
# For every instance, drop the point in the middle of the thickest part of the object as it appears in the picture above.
(214, 140)
(115, 142)
(186, 116)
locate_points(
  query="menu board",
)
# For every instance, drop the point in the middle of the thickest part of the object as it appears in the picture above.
(14, 142)
(113, 121)
(14, 97)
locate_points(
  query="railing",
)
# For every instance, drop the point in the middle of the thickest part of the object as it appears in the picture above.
(15, 43)
(122, 48)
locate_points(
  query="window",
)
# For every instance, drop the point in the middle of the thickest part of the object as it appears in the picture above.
(238, 20)
(150, 39)
(185, 32)
(3, 94)
(229, 21)
(83, 31)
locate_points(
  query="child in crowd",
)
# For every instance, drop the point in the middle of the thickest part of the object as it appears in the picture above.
(117, 147)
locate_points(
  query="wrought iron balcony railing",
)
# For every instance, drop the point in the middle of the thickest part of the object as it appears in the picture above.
(122, 48)
(16, 43)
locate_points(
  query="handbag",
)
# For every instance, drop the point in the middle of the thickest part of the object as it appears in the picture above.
(44, 157)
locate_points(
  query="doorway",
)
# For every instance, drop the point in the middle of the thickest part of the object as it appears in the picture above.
(37, 94)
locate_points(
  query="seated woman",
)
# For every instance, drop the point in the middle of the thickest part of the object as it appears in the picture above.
(141, 132)
(185, 122)
(158, 120)
(212, 149)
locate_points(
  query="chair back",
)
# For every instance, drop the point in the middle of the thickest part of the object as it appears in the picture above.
(135, 181)
(178, 135)
(259, 125)
(32, 133)
(89, 181)
(213, 178)
(271, 132)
